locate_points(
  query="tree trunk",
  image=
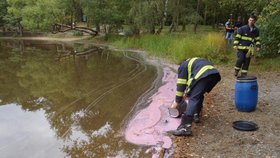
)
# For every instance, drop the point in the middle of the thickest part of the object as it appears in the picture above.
(97, 27)
(176, 23)
(72, 21)
(197, 10)
(175, 17)
(171, 27)
(214, 19)
(20, 29)
(152, 29)
(205, 15)
(163, 19)
(183, 27)
(79, 13)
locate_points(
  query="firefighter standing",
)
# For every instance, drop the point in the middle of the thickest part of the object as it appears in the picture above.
(247, 36)
(196, 76)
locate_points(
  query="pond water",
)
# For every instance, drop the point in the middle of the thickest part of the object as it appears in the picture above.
(68, 100)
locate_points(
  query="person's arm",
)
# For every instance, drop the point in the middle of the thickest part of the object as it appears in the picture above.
(237, 38)
(181, 85)
(258, 41)
(227, 26)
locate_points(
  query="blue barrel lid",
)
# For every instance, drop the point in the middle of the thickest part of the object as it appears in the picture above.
(247, 78)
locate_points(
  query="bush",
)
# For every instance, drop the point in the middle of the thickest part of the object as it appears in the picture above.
(270, 25)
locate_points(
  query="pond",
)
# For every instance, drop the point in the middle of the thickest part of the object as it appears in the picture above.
(68, 100)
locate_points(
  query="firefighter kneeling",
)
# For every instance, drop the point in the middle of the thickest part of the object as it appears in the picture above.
(196, 76)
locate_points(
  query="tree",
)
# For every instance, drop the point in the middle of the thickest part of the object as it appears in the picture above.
(148, 14)
(106, 13)
(14, 16)
(241, 8)
(175, 9)
(269, 22)
(40, 15)
(3, 12)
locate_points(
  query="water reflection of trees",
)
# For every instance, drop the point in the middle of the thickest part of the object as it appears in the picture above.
(80, 93)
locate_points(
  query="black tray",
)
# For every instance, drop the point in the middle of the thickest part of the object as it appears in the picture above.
(245, 125)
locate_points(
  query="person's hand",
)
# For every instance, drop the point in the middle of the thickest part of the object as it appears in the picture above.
(235, 47)
(257, 49)
(174, 105)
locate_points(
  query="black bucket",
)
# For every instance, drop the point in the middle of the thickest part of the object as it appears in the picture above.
(179, 110)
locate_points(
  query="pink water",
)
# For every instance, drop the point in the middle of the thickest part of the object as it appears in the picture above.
(150, 125)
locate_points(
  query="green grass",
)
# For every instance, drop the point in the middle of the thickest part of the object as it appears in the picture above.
(178, 47)
(265, 64)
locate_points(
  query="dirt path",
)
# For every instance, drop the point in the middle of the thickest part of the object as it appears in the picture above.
(215, 137)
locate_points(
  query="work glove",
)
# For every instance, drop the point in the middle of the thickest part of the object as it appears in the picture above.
(251, 52)
(174, 105)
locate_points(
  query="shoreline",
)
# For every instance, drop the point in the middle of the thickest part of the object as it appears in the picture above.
(46, 38)
(150, 126)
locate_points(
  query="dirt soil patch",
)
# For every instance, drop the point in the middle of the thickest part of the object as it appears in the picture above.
(215, 136)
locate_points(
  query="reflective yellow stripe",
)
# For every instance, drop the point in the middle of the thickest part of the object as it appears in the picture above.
(190, 67)
(257, 38)
(238, 36)
(257, 43)
(190, 73)
(244, 70)
(190, 82)
(179, 94)
(181, 81)
(202, 70)
(235, 42)
(243, 47)
(246, 38)
(237, 68)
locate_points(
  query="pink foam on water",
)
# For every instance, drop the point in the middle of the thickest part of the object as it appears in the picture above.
(150, 125)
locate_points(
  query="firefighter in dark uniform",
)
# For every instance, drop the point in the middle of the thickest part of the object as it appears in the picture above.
(196, 76)
(246, 38)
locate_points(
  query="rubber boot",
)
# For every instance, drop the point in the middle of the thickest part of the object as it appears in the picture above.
(185, 128)
(196, 118)
(243, 74)
(236, 73)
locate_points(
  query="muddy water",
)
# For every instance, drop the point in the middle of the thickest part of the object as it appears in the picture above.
(59, 100)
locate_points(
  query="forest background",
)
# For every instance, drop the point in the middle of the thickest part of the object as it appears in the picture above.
(173, 29)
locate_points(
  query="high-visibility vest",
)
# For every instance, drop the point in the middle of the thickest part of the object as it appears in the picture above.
(189, 81)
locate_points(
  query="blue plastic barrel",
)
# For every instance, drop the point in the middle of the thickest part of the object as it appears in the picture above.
(246, 93)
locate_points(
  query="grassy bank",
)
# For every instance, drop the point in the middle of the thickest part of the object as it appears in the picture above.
(207, 43)
(177, 47)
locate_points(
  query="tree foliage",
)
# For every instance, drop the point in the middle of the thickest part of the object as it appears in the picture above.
(147, 14)
(241, 8)
(33, 14)
(270, 25)
(106, 12)
(3, 11)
